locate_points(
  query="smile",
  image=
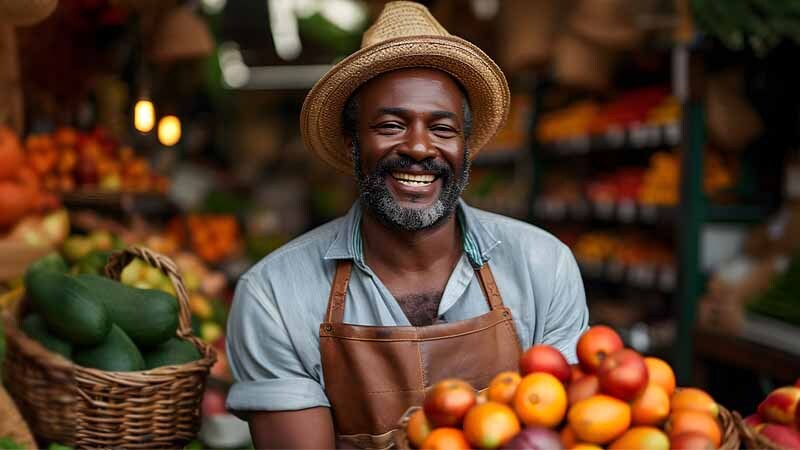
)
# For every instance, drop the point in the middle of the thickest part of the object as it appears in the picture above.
(410, 179)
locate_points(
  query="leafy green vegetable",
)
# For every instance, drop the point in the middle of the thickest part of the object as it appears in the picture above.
(6, 443)
(780, 300)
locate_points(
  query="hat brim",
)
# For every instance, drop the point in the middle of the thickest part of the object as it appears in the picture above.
(484, 82)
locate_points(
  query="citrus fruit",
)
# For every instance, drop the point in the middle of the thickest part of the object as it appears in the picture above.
(448, 402)
(446, 438)
(503, 386)
(599, 419)
(660, 373)
(693, 398)
(418, 428)
(641, 438)
(584, 446)
(540, 400)
(685, 420)
(651, 407)
(490, 425)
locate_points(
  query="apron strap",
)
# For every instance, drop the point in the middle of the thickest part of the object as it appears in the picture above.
(339, 291)
(489, 286)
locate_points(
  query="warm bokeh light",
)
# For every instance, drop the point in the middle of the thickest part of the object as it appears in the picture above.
(169, 130)
(144, 116)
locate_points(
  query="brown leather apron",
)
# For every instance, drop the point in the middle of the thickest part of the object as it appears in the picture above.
(373, 374)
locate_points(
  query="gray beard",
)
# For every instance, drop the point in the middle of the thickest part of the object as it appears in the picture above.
(374, 196)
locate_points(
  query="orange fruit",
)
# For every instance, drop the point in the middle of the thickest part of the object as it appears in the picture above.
(651, 407)
(540, 400)
(446, 438)
(418, 428)
(641, 438)
(568, 437)
(503, 386)
(660, 373)
(584, 446)
(693, 398)
(490, 425)
(686, 420)
(599, 419)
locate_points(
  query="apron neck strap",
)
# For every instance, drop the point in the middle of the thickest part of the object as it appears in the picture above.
(341, 279)
(489, 287)
(339, 291)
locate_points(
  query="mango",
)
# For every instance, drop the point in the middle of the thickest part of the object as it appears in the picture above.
(780, 405)
(644, 438)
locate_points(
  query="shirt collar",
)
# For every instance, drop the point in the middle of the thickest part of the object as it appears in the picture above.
(478, 240)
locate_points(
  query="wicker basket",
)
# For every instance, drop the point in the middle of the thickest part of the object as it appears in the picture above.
(90, 408)
(753, 440)
(728, 422)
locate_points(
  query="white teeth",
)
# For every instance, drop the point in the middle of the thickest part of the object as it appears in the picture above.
(416, 179)
(413, 183)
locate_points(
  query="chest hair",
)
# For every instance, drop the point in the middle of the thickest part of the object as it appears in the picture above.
(421, 309)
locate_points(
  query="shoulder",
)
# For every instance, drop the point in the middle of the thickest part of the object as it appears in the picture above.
(514, 233)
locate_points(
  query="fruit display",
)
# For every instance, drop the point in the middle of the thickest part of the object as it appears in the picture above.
(613, 398)
(68, 160)
(213, 237)
(102, 323)
(616, 252)
(651, 106)
(776, 422)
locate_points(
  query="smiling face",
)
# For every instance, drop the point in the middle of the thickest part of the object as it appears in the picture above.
(410, 149)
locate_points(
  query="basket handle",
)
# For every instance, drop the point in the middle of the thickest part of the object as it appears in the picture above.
(118, 260)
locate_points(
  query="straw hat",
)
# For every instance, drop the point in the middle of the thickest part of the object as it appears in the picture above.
(25, 12)
(404, 35)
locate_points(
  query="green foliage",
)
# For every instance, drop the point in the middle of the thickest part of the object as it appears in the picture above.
(758, 24)
(6, 443)
(781, 300)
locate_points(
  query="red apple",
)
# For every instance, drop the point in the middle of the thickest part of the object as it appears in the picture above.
(448, 402)
(213, 403)
(623, 374)
(595, 345)
(780, 405)
(752, 420)
(585, 387)
(544, 358)
(782, 435)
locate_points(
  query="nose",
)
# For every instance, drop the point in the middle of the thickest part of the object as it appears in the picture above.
(418, 144)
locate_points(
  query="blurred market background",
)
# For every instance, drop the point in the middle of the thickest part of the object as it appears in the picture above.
(659, 139)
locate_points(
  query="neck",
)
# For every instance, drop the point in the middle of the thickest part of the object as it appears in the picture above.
(410, 251)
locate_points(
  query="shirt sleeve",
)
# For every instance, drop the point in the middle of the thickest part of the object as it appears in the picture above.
(568, 316)
(268, 374)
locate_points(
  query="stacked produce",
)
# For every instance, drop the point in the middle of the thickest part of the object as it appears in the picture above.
(101, 323)
(614, 398)
(777, 420)
(641, 107)
(213, 237)
(69, 160)
(21, 193)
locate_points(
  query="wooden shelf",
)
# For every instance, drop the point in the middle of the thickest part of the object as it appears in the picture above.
(763, 345)
(126, 202)
(640, 137)
(649, 277)
(624, 212)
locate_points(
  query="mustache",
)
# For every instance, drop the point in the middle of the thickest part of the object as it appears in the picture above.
(401, 162)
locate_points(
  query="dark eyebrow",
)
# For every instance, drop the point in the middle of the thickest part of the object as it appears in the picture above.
(443, 115)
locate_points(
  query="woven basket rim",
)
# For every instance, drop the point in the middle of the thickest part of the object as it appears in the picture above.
(751, 437)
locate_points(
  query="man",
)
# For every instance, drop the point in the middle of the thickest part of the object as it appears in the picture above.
(333, 336)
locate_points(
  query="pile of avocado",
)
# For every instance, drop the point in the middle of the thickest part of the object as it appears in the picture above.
(101, 323)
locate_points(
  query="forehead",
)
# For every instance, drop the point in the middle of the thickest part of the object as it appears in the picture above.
(413, 89)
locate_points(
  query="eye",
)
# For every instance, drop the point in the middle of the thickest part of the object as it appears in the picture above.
(389, 127)
(444, 131)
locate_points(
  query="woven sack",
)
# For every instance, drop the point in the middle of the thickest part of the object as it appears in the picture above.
(26, 12)
(90, 408)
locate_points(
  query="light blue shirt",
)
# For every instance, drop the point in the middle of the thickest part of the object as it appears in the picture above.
(273, 326)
